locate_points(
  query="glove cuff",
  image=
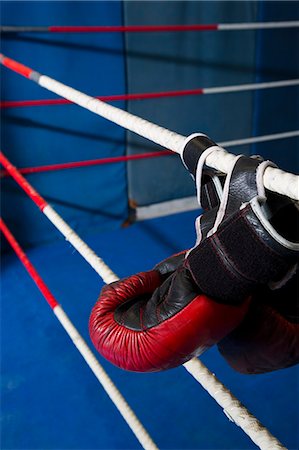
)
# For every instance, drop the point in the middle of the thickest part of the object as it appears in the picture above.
(242, 242)
(245, 252)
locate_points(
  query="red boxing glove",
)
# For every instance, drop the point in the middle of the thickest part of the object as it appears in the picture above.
(158, 319)
(268, 337)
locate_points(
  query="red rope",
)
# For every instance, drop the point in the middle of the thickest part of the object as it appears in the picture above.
(91, 162)
(105, 98)
(131, 28)
(148, 28)
(16, 66)
(30, 191)
(29, 267)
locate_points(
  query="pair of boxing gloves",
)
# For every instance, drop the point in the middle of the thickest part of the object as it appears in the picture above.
(236, 287)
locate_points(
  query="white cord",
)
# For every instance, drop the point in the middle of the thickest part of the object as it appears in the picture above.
(274, 179)
(108, 385)
(257, 26)
(232, 407)
(144, 128)
(257, 139)
(250, 86)
(86, 252)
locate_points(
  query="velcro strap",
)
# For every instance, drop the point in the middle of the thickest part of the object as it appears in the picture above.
(231, 263)
(237, 248)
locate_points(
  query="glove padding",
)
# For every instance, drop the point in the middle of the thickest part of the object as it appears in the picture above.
(158, 319)
(268, 337)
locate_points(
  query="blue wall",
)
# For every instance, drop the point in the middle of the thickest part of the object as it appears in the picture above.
(278, 110)
(173, 61)
(93, 198)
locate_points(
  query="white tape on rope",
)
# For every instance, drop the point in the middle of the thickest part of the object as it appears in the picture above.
(144, 128)
(220, 159)
(276, 180)
(257, 139)
(86, 252)
(250, 87)
(257, 26)
(112, 391)
(232, 407)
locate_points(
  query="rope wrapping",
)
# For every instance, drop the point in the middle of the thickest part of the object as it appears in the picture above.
(232, 407)
(144, 128)
(220, 159)
(82, 248)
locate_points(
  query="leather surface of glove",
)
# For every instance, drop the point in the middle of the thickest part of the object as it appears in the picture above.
(268, 337)
(158, 319)
(247, 246)
(265, 229)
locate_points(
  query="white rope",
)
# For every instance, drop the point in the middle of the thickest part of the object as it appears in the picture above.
(277, 180)
(144, 128)
(232, 407)
(104, 272)
(108, 277)
(274, 179)
(257, 26)
(86, 252)
(108, 385)
(257, 139)
(250, 86)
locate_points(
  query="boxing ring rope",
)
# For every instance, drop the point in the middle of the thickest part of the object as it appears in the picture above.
(152, 95)
(95, 261)
(88, 163)
(156, 154)
(274, 179)
(231, 406)
(151, 28)
(108, 385)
